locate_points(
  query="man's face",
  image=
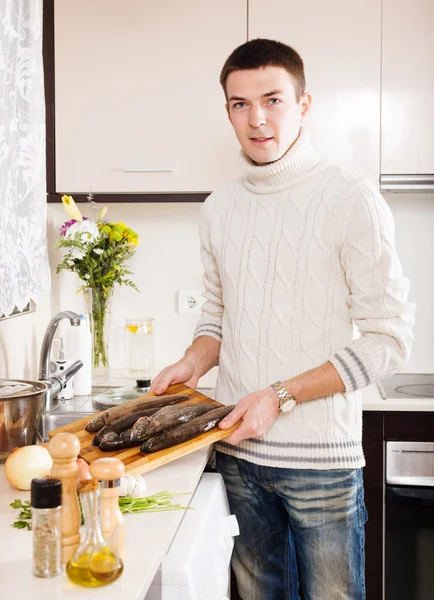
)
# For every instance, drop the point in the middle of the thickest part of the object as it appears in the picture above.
(264, 112)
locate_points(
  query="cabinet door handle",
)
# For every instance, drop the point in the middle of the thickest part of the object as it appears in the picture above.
(147, 170)
(407, 182)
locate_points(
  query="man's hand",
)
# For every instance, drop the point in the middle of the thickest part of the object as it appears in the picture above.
(257, 412)
(199, 358)
(183, 371)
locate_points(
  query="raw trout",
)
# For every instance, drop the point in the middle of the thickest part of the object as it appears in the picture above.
(112, 441)
(101, 433)
(186, 431)
(123, 424)
(127, 422)
(167, 417)
(117, 412)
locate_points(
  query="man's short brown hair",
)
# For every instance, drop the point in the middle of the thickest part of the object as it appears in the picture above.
(266, 53)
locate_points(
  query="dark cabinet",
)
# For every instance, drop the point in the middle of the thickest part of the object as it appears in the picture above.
(409, 427)
(373, 476)
(378, 428)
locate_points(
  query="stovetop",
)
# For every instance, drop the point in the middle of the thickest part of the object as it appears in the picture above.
(408, 385)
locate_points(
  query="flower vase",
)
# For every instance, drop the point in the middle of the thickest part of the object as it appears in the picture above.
(100, 300)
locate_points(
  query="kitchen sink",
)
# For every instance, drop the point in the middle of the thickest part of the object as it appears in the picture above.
(55, 420)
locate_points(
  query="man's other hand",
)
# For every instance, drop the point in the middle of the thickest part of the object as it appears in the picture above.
(257, 413)
(182, 371)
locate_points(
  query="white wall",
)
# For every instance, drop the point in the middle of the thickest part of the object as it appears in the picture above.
(168, 260)
(414, 220)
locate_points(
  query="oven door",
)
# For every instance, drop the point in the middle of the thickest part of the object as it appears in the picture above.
(409, 543)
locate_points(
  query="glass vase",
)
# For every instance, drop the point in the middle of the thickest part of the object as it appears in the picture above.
(99, 301)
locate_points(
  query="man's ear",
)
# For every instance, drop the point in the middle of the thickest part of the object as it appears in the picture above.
(227, 110)
(305, 104)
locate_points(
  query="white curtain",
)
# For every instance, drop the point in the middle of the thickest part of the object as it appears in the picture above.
(24, 270)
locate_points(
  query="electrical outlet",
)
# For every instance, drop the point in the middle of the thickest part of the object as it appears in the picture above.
(190, 302)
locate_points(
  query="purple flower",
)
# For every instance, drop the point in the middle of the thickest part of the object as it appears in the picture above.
(67, 224)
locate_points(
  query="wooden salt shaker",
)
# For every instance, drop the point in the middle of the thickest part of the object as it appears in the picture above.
(64, 449)
(109, 472)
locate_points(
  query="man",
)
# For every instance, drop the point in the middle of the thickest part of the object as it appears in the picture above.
(295, 253)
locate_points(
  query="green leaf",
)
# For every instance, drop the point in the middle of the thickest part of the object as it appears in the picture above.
(22, 525)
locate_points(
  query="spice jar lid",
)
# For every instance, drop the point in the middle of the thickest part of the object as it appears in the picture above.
(143, 383)
(46, 493)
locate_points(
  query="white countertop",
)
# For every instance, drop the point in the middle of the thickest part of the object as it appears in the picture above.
(148, 538)
(373, 401)
(118, 379)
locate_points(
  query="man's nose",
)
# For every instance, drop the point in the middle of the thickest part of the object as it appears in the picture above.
(257, 116)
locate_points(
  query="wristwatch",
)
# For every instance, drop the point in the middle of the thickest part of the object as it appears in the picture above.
(286, 401)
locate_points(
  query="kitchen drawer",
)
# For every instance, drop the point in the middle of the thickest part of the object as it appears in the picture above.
(409, 426)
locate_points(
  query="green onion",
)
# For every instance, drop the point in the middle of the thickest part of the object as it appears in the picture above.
(157, 503)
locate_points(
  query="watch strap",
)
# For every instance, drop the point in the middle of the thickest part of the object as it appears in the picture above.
(286, 400)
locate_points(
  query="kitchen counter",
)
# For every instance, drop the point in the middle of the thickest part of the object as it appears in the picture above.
(373, 401)
(148, 538)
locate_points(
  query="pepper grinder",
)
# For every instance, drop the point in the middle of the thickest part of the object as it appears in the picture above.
(64, 449)
(109, 471)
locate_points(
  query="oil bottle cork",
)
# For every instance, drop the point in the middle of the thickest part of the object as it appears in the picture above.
(109, 471)
(64, 449)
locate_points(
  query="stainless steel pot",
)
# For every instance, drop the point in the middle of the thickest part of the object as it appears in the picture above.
(21, 407)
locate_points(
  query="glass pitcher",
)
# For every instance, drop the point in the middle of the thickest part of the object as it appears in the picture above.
(139, 349)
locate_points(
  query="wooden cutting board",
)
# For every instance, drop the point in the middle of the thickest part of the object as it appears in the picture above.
(137, 462)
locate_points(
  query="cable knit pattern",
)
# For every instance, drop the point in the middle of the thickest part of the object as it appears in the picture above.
(295, 254)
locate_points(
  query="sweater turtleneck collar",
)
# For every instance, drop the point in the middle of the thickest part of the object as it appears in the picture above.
(281, 174)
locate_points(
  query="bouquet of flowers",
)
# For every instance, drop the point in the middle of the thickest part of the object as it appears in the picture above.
(96, 249)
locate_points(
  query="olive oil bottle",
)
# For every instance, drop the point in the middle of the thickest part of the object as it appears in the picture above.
(96, 561)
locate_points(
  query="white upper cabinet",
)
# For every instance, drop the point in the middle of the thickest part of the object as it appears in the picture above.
(407, 109)
(139, 106)
(340, 44)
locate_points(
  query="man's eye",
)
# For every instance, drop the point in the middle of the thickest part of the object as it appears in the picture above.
(274, 101)
(239, 105)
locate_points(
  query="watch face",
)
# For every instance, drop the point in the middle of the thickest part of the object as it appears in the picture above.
(288, 405)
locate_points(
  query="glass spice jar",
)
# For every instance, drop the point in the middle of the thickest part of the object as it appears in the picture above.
(46, 500)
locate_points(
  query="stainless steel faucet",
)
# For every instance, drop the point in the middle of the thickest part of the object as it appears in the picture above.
(56, 384)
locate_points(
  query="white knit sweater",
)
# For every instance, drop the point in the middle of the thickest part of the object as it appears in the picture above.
(296, 253)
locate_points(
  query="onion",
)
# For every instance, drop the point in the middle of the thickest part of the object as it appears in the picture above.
(27, 463)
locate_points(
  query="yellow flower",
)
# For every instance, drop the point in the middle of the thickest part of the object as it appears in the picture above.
(131, 239)
(121, 224)
(71, 208)
(102, 213)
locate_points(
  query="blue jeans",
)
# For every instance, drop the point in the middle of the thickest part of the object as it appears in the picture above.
(297, 527)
